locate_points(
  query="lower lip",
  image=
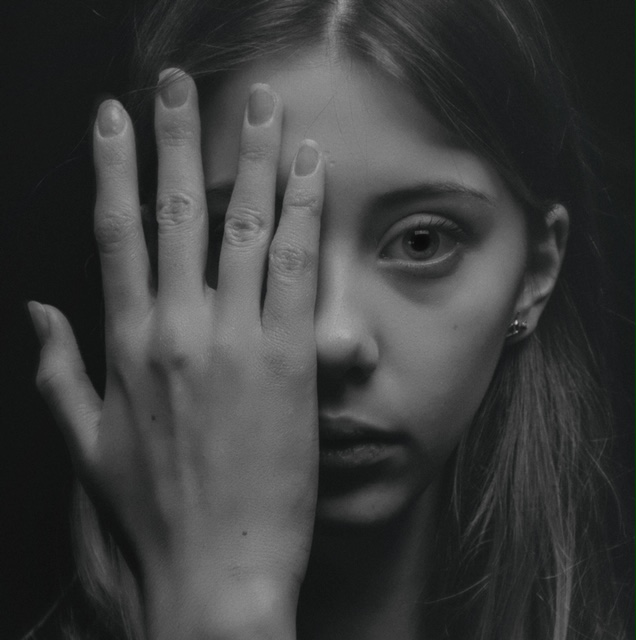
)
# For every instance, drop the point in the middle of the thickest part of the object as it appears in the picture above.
(348, 455)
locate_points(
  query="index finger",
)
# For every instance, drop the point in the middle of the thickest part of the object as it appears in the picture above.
(117, 222)
(293, 255)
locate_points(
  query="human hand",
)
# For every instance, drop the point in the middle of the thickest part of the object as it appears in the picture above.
(204, 449)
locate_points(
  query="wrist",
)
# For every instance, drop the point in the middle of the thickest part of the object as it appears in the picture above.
(255, 609)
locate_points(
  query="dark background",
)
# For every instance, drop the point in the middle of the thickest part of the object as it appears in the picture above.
(60, 59)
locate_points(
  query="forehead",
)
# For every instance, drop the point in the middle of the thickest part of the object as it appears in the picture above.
(366, 123)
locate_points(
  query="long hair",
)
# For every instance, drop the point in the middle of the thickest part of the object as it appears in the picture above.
(522, 553)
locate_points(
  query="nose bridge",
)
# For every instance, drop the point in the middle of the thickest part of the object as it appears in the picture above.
(335, 303)
(343, 335)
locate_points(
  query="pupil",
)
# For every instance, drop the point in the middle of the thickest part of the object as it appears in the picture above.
(420, 241)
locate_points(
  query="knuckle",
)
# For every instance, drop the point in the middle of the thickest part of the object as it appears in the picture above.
(122, 347)
(172, 351)
(113, 156)
(302, 200)
(48, 378)
(169, 357)
(286, 259)
(111, 227)
(244, 225)
(176, 209)
(123, 372)
(256, 151)
(176, 132)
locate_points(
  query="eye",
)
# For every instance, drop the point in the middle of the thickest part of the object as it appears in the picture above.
(420, 244)
(422, 239)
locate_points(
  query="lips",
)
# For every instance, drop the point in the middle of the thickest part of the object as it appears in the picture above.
(346, 443)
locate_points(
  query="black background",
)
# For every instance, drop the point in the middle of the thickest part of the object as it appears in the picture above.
(60, 59)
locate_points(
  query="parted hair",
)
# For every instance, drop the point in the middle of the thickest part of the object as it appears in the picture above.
(523, 554)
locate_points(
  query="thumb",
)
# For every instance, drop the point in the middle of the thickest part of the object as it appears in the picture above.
(63, 382)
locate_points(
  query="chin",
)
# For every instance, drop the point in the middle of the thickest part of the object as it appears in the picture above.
(370, 506)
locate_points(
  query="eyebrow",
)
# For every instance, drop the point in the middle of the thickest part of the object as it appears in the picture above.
(434, 189)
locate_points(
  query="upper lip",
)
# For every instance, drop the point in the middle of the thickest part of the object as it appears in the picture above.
(354, 429)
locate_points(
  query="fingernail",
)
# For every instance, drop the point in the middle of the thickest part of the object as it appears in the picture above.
(175, 92)
(260, 107)
(40, 321)
(110, 119)
(306, 160)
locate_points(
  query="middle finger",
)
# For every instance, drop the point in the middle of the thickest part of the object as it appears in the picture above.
(181, 210)
(249, 221)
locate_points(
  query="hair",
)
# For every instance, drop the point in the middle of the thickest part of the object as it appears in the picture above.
(522, 548)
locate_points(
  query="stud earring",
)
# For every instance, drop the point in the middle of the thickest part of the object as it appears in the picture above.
(516, 327)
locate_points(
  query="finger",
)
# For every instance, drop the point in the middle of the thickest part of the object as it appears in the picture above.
(250, 218)
(63, 383)
(293, 255)
(181, 210)
(118, 229)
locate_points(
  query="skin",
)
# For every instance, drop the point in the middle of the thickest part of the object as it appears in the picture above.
(424, 335)
(404, 344)
(204, 450)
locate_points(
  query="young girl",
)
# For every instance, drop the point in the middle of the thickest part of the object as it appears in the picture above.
(352, 371)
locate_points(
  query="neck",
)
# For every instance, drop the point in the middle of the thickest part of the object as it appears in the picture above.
(370, 583)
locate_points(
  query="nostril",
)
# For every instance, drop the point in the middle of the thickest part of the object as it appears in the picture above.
(346, 343)
(358, 375)
(333, 383)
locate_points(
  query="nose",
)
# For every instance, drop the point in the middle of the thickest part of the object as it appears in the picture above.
(346, 347)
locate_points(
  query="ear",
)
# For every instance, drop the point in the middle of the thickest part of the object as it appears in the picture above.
(545, 258)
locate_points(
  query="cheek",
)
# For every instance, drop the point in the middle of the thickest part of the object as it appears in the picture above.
(445, 397)
(443, 358)
(453, 390)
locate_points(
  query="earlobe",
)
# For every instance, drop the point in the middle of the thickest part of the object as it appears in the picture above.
(544, 264)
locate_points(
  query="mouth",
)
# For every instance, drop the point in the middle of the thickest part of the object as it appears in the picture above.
(348, 444)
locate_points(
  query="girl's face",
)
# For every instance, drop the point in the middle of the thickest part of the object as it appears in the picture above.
(422, 263)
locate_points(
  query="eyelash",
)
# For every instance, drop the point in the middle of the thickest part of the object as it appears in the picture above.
(445, 231)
